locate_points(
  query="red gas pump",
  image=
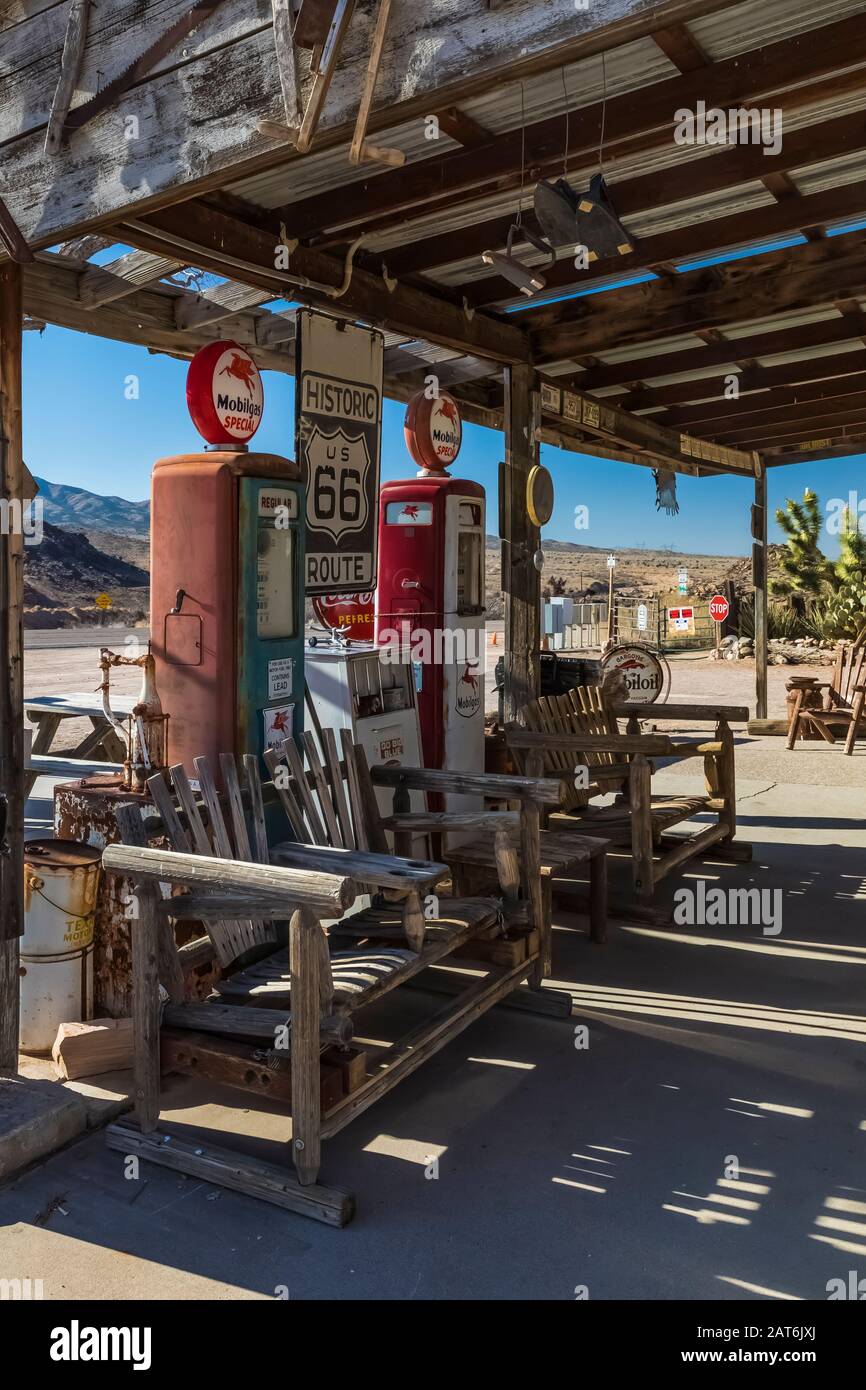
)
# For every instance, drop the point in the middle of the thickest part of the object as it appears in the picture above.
(226, 594)
(430, 595)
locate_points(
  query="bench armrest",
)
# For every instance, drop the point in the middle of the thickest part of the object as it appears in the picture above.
(361, 866)
(420, 821)
(495, 786)
(737, 713)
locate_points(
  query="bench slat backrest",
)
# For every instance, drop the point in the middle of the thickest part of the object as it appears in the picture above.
(231, 938)
(848, 672)
(582, 710)
(331, 801)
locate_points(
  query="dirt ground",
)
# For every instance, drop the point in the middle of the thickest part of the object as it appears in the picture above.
(51, 670)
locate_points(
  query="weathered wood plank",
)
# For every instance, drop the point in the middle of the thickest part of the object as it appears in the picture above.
(326, 892)
(796, 278)
(100, 284)
(521, 581)
(11, 665)
(548, 791)
(197, 119)
(305, 957)
(252, 1024)
(227, 1168)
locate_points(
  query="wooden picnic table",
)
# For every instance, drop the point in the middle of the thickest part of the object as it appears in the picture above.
(48, 712)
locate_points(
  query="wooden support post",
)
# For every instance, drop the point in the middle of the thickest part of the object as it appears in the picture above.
(306, 1093)
(145, 1005)
(12, 491)
(521, 581)
(759, 533)
(530, 854)
(598, 899)
(727, 782)
(640, 799)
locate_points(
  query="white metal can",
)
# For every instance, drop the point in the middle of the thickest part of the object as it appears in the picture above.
(61, 879)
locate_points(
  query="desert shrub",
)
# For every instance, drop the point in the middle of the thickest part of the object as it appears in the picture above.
(783, 622)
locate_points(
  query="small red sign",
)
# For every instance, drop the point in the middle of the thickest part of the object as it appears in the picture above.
(433, 430)
(224, 393)
(719, 608)
(353, 611)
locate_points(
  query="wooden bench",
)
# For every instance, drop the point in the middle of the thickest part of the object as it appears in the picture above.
(281, 1021)
(579, 732)
(69, 769)
(48, 712)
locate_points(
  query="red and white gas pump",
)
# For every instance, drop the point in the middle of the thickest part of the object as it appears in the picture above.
(430, 594)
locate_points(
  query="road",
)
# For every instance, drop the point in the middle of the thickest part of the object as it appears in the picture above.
(45, 639)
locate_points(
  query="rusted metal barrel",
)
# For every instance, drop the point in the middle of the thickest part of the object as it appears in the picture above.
(60, 886)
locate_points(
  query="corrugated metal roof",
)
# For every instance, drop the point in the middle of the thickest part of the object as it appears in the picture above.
(757, 22)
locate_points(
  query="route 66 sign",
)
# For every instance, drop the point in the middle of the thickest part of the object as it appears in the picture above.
(339, 425)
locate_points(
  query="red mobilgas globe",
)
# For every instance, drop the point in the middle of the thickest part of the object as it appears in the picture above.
(224, 393)
(433, 430)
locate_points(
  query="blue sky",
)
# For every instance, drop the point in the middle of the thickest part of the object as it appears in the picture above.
(80, 429)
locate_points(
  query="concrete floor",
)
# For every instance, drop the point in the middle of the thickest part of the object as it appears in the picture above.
(558, 1166)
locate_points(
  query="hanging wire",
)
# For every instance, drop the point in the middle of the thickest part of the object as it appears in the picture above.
(567, 114)
(522, 154)
(603, 111)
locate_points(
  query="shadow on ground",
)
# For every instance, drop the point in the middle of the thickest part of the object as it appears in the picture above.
(708, 1142)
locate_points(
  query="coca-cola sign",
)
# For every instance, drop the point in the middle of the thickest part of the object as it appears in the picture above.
(352, 611)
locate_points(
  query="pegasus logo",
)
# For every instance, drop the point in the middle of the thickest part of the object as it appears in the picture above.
(470, 677)
(242, 369)
(449, 410)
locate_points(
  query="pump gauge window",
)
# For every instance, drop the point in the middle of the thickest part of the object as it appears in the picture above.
(470, 560)
(275, 590)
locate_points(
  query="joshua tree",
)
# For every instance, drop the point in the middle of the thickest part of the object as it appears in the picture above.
(851, 564)
(806, 571)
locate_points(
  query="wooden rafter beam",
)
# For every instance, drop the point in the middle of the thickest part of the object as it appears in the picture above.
(799, 277)
(775, 456)
(640, 433)
(810, 418)
(681, 47)
(101, 284)
(820, 141)
(755, 378)
(145, 317)
(689, 242)
(212, 95)
(216, 241)
(824, 333)
(632, 122)
(714, 414)
(222, 302)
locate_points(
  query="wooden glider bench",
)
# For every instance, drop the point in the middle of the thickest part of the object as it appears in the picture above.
(546, 854)
(281, 1020)
(580, 731)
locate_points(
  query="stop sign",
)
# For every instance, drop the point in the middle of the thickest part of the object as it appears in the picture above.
(719, 608)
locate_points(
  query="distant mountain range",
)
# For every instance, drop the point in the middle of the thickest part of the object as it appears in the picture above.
(75, 507)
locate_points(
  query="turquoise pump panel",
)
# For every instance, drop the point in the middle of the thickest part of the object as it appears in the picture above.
(271, 612)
